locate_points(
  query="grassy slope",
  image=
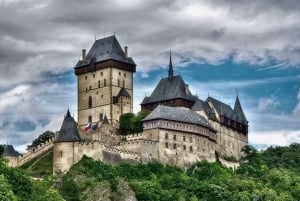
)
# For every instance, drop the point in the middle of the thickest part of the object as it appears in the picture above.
(41, 166)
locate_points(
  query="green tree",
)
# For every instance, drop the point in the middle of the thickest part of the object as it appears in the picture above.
(42, 138)
(125, 126)
(6, 192)
(137, 121)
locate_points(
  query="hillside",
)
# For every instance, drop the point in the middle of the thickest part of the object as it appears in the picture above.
(261, 176)
(41, 166)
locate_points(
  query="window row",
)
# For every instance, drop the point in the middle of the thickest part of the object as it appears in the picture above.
(101, 74)
(184, 148)
(174, 138)
(90, 118)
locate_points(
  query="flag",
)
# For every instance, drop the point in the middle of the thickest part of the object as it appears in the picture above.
(88, 127)
(95, 126)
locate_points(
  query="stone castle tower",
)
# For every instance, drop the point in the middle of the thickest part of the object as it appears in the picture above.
(105, 82)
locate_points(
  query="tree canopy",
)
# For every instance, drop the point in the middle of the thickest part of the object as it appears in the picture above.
(131, 123)
(42, 138)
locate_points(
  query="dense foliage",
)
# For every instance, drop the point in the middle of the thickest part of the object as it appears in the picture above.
(17, 185)
(1, 148)
(131, 123)
(42, 138)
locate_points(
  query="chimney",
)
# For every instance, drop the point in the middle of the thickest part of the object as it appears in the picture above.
(126, 52)
(83, 54)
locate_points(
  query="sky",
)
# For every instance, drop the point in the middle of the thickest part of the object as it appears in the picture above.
(221, 48)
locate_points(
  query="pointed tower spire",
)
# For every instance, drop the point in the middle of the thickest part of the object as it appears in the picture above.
(239, 111)
(170, 68)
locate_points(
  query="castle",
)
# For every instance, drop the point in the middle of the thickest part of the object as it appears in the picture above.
(181, 129)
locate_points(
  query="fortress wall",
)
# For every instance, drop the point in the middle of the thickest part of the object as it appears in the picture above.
(149, 151)
(130, 145)
(230, 142)
(184, 149)
(35, 151)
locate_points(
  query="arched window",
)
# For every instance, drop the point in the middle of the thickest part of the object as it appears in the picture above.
(90, 101)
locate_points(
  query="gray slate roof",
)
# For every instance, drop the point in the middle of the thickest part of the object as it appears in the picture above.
(68, 131)
(203, 105)
(105, 120)
(223, 109)
(123, 92)
(169, 89)
(239, 114)
(176, 114)
(105, 49)
(9, 151)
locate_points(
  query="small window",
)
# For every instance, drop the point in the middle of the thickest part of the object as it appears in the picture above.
(90, 102)
(174, 146)
(167, 145)
(184, 148)
(90, 118)
(191, 139)
(166, 136)
(105, 82)
(93, 75)
(124, 74)
(86, 77)
(184, 138)
(101, 116)
(119, 73)
(118, 83)
(191, 149)
(98, 83)
(90, 87)
(174, 137)
(101, 73)
(124, 83)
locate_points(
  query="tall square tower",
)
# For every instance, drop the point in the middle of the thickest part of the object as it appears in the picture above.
(104, 82)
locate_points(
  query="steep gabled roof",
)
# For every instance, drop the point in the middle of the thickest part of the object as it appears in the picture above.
(68, 131)
(105, 49)
(238, 111)
(221, 108)
(176, 114)
(201, 105)
(105, 120)
(9, 151)
(123, 92)
(169, 89)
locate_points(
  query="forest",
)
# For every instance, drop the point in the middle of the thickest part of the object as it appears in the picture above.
(272, 174)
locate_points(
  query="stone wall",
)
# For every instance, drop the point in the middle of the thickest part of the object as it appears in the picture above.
(35, 152)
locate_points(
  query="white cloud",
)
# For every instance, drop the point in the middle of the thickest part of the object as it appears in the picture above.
(267, 104)
(297, 108)
(274, 137)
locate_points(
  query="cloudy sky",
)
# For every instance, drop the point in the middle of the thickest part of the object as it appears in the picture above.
(219, 47)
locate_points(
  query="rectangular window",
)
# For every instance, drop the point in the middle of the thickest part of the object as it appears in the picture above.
(166, 136)
(184, 138)
(93, 75)
(124, 74)
(174, 137)
(174, 146)
(98, 83)
(101, 116)
(101, 73)
(184, 148)
(90, 119)
(191, 149)
(119, 73)
(167, 145)
(191, 139)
